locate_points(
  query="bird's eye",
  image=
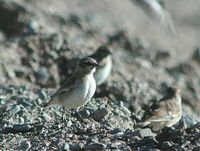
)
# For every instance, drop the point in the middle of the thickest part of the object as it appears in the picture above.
(88, 63)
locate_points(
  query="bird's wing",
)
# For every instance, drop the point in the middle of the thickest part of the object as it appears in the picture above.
(65, 88)
(157, 112)
(96, 57)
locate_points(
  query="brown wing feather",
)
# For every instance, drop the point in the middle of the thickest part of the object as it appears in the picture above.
(64, 88)
(156, 111)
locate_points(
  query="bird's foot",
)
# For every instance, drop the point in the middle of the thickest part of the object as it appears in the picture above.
(64, 115)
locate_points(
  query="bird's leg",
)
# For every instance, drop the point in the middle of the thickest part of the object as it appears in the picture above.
(79, 115)
(64, 114)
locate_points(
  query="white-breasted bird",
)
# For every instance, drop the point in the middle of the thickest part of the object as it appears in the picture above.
(79, 88)
(104, 59)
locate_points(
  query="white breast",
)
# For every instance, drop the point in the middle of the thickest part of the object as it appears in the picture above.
(76, 98)
(102, 74)
(92, 87)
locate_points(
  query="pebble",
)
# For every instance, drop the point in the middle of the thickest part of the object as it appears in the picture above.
(188, 120)
(143, 63)
(141, 133)
(166, 145)
(94, 146)
(85, 113)
(24, 145)
(25, 102)
(15, 109)
(42, 95)
(42, 74)
(2, 99)
(118, 135)
(197, 148)
(161, 55)
(76, 147)
(115, 130)
(66, 146)
(69, 123)
(144, 132)
(196, 55)
(99, 114)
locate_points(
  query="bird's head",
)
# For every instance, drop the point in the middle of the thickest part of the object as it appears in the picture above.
(87, 65)
(103, 51)
(174, 92)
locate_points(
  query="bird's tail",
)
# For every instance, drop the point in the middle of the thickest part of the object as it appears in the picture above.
(49, 102)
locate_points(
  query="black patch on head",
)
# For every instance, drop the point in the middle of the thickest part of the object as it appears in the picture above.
(87, 62)
(104, 50)
(100, 53)
(171, 90)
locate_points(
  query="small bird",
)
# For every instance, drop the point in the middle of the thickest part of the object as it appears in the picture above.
(79, 88)
(103, 57)
(166, 112)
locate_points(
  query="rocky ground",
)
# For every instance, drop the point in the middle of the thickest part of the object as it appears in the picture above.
(40, 42)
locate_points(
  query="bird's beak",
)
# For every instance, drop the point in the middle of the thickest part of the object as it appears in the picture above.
(96, 65)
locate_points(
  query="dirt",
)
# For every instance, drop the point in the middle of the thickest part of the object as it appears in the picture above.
(40, 42)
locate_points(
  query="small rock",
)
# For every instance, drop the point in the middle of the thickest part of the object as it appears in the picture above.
(25, 102)
(76, 147)
(139, 133)
(74, 20)
(197, 148)
(69, 123)
(10, 90)
(92, 139)
(66, 146)
(85, 113)
(115, 130)
(2, 99)
(194, 128)
(39, 101)
(24, 145)
(145, 132)
(166, 145)
(94, 146)
(42, 95)
(185, 144)
(188, 120)
(99, 114)
(42, 74)
(172, 134)
(118, 135)
(143, 63)
(161, 55)
(21, 120)
(19, 73)
(196, 55)
(147, 143)
(15, 109)
(33, 26)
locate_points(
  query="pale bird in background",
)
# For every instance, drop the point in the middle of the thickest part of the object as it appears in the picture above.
(155, 9)
(166, 112)
(79, 88)
(104, 59)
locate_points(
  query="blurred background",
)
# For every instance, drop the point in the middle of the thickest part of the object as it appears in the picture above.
(39, 40)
